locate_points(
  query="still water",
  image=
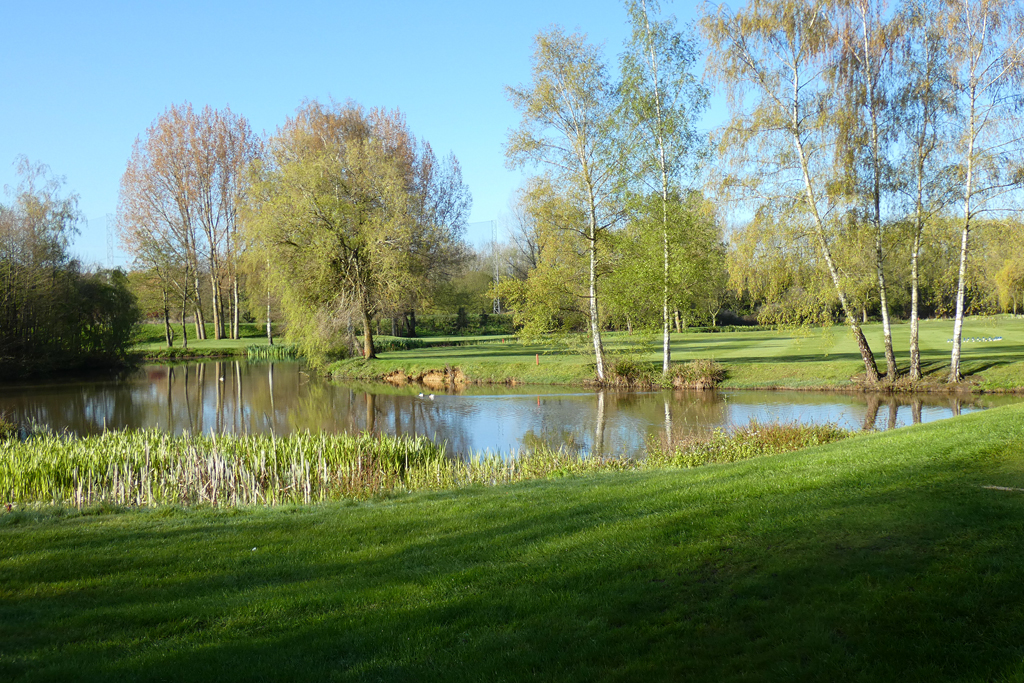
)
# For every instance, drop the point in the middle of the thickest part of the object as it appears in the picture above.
(282, 397)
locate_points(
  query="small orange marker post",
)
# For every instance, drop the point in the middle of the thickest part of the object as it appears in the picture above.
(538, 359)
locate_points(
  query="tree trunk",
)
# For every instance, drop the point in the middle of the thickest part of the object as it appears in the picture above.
(168, 333)
(958, 325)
(870, 369)
(961, 286)
(367, 337)
(218, 313)
(235, 332)
(595, 329)
(410, 322)
(270, 335)
(915, 346)
(876, 199)
(367, 330)
(184, 327)
(200, 320)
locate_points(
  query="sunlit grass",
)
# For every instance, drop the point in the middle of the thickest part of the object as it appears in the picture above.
(802, 358)
(883, 557)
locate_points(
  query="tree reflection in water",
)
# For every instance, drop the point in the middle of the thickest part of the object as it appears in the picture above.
(282, 397)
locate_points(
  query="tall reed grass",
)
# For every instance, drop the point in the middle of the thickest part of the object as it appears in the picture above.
(265, 352)
(146, 468)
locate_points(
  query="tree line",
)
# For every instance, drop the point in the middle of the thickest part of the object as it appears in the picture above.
(54, 314)
(870, 151)
(858, 131)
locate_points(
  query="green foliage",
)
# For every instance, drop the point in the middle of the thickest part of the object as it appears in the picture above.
(696, 269)
(351, 212)
(441, 324)
(385, 344)
(54, 316)
(147, 468)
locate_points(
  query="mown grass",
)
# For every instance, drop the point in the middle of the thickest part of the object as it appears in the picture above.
(879, 558)
(817, 358)
(150, 344)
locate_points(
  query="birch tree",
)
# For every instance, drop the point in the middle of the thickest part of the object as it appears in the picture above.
(867, 134)
(566, 130)
(773, 58)
(923, 107)
(988, 66)
(661, 99)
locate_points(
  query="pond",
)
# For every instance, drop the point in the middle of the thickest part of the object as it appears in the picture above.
(281, 397)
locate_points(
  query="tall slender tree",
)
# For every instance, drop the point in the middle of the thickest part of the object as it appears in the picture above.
(566, 129)
(661, 99)
(988, 69)
(923, 106)
(773, 57)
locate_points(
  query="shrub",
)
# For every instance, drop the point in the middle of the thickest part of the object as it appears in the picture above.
(702, 373)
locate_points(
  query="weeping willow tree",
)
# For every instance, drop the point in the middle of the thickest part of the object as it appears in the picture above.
(351, 212)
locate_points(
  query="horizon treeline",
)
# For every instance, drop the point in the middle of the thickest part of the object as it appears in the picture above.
(55, 315)
(871, 167)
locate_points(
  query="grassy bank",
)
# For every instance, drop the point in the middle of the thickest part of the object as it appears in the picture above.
(884, 557)
(150, 344)
(805, 359)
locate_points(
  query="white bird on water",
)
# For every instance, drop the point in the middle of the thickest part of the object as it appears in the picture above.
(431, 397)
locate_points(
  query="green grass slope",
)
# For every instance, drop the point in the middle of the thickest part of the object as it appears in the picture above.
(880, 558)
(820, 358)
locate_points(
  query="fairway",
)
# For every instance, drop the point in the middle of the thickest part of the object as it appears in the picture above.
(824, 358)
(884, 557)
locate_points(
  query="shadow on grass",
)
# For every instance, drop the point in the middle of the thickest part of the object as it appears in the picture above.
(874, 561)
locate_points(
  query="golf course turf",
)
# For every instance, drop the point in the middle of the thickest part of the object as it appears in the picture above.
(814, 358)
(886, 556)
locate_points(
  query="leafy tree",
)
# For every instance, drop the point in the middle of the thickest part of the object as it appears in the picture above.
(52, 315)
(773, 58)
(566, 129)
(923, 105)
(554, 297)
(696, 276)
(988, 65)
(346, 213)
(178, 205)
(661, 99)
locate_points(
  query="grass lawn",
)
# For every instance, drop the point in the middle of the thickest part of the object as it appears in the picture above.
(150, 342)
(881, 557)
(815, 358)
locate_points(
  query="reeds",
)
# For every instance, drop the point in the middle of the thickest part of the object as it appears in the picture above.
(751, 441)
(265, 352)
(146, 468)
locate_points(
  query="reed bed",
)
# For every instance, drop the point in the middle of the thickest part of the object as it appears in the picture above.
(147, 468)
(265, 352)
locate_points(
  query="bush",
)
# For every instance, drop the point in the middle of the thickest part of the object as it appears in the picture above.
(702, 373)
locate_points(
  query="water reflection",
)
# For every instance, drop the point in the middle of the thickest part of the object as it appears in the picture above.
(236, 397)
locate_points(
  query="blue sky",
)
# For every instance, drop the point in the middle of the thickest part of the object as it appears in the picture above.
(82, 80)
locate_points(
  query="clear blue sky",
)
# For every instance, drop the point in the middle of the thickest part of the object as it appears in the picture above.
(80, 81)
